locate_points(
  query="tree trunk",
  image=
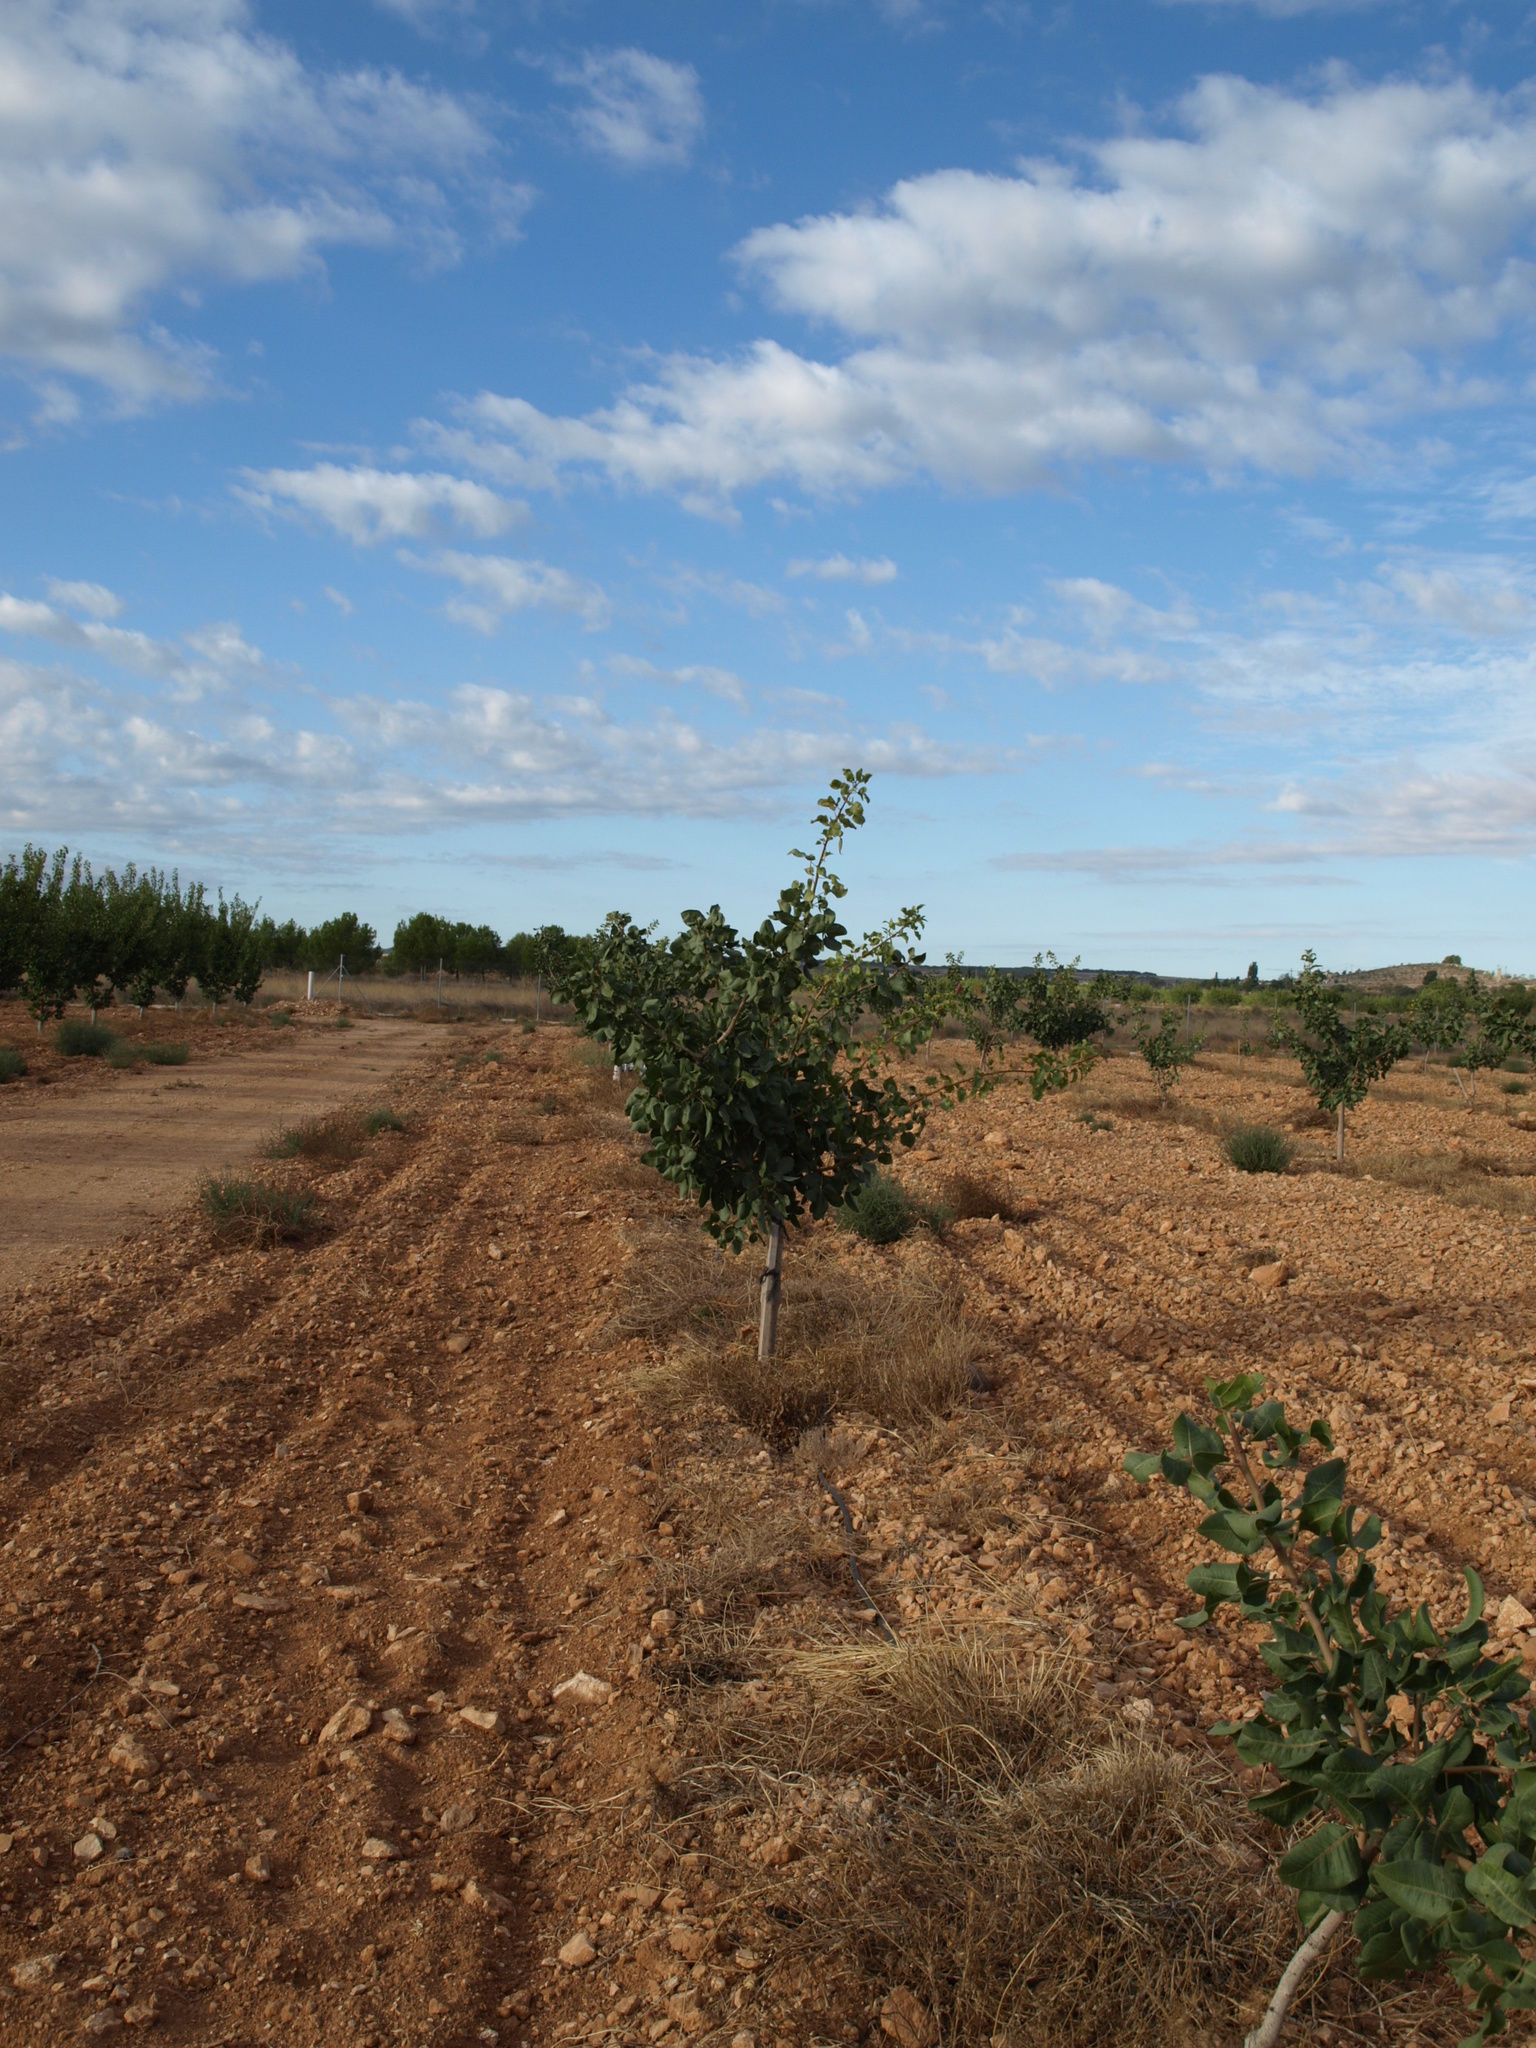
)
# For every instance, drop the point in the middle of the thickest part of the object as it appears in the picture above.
(1267, 2033)
(1341, 1134)
(770, 1293)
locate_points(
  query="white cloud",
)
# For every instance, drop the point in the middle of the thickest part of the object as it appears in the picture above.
(224, 652)
(755, 598)
(1284, 10)
(92, 598)
(1482, 606)
(369, 504)
(1272, 287)
(152, 144)
(339, 598)
(1106, 609)
(719, 682)
(840, 569)
(501, 586)
(639, 111)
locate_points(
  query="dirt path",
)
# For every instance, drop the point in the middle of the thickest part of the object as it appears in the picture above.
(297, 1545)
(94, 1156)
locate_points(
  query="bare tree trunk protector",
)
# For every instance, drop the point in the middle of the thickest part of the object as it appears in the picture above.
(1267, 2032)
(1341, 1134)
(770, 1292)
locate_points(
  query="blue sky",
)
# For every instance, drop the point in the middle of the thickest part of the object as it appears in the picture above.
(504, 458)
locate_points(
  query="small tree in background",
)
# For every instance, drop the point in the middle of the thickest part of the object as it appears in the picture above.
(231, 953)
(1166, 1054)
(1439, 1015)
(1339, 1060)
(1501, 1028)
(1063, 1018)
(764, 1095)
(989, 1008)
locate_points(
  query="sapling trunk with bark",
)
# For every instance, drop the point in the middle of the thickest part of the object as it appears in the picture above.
(1341, 1134)
(770, 1293)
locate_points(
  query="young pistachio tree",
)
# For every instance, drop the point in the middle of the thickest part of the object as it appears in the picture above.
(1339, 1060)
(1166, 1054)
(1406, 1751)
(1063, 1018)
(768, 1089)
(989, 1008)
(1501, 1028)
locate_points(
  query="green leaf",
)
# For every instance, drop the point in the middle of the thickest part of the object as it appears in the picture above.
(1506, 1896)
(1257, 1744)
(1476, 1598)
(1235, 1396)
(1348, 1774)
(1143, 1465)
(1285, 1806)
(1429, 1891)
(1409, 1783)
(1327, 1860)
(1383, 1956)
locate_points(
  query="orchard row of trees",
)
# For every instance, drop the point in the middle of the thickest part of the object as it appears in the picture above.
(69, 933)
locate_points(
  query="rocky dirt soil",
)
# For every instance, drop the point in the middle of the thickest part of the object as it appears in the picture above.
(385, 1662)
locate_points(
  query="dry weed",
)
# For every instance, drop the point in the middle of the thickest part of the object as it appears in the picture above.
(967, 1194)
(898, 1351)
(1034, 1874)
(1469, 1179)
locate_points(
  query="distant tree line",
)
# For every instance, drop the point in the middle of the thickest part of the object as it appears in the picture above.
(69, 933)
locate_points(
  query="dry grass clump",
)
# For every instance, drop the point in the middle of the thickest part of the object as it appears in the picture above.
(899, 1352)
(679, 1284)
(244, 1211)
(1470, 1179)
(949, 1712)
(968, 1194)
(332, 1140)
(1036, 1876)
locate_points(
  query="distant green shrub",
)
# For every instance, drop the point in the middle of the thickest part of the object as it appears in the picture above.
(279, 1018)
(1515, 1088)
(121, 1054)
(78, 1040)
(12, 1065)
(883, 1211)
(1257, 1148)
(383, 1120)
(253, 1209)
(159, 1053)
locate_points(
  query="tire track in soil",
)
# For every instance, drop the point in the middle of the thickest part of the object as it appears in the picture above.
(310, 1480)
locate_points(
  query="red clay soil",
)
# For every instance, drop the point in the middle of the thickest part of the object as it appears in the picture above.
(300, 1541)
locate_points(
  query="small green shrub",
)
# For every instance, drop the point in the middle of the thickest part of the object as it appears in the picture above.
(1257, 1148)
(883, 1210)
(383, 1120)
(253, 1209)
(278, 1018)
(12, 1065)
(121, 1054)
(78, 1040)
(343, 1023)
(1515, 1088)
(161, 1053)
